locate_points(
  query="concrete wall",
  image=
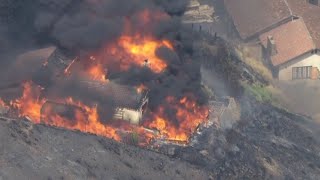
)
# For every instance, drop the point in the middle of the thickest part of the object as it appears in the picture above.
(308, 59)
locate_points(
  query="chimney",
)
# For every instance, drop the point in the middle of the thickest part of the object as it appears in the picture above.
(271, 46)
(314, 2)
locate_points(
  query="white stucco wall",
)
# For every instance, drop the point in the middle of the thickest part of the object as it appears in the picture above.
(285, 70)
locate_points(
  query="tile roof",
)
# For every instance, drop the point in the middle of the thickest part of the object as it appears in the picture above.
(311, 16)
(292, 39)
(253, 16)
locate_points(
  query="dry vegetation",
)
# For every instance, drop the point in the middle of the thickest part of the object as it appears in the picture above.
(268, 93)
(246, 56)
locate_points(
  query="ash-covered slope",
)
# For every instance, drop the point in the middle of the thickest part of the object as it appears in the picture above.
(38, 152)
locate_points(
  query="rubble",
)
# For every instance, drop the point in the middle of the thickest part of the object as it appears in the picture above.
(197, 13)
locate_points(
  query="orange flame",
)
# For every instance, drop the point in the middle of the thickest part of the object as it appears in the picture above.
(30, 103)
(132, 50)
(140, 49)
(188, 114)
(86, 119)
(128, 51)
(97, 73)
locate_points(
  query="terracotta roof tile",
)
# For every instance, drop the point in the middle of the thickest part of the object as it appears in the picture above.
(311, 17)
(292, 39)
(252, 16)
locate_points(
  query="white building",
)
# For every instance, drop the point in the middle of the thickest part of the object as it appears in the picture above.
(291, 51)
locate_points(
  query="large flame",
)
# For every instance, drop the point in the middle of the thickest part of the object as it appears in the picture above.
(30, 102)
(129, 51)
(142, 51)
(86, 119)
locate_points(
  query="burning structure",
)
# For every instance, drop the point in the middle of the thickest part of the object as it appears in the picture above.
(135, 81)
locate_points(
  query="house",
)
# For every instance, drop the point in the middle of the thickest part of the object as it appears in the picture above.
(287, 30)
(311, 16)
(253, 17)
(291, 51)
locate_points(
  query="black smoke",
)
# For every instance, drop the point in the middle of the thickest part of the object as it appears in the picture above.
(88, 24)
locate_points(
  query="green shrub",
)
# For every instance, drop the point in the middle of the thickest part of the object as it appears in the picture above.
(259, 92)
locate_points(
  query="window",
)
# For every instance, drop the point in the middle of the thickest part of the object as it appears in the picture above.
(301, 72)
